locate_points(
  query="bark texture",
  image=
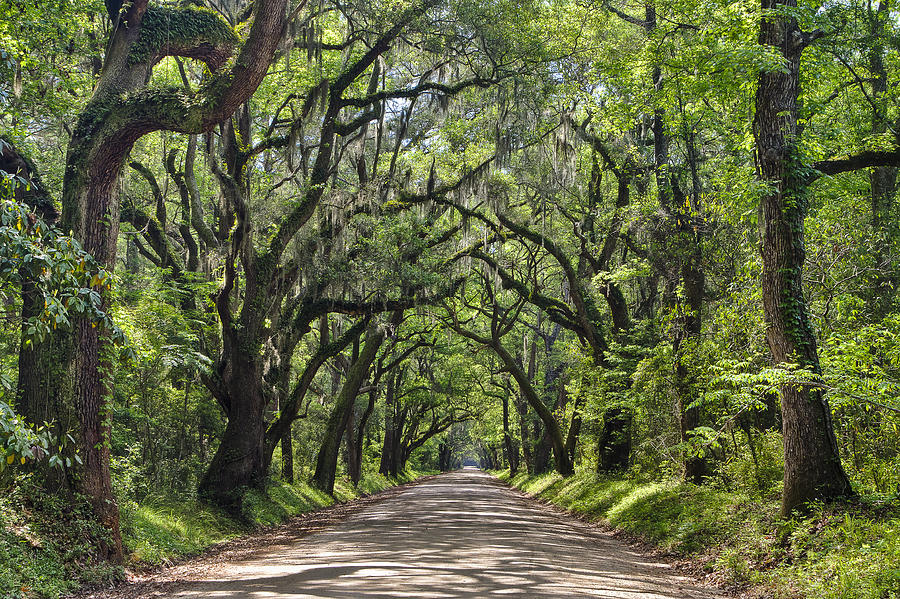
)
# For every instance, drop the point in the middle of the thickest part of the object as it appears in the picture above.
(812, 463)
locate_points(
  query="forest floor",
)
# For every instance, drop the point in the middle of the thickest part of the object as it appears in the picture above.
(462, 534)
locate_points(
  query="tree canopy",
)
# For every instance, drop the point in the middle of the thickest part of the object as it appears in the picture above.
(249, 240)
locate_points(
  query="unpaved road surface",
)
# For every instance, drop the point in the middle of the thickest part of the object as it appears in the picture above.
(462, 534)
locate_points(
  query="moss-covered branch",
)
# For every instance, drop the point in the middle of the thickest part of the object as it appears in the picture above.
(189, 31)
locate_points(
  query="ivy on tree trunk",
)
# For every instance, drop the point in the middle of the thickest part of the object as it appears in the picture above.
(812, 462)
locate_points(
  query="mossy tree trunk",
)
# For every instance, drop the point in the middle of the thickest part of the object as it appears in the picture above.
(390, 443)
(445, 457)
(351, 455)
(684, 245)
(509, 446)
(813, 467)
(360, 433)
(287, 456)
(327, 459)
(122, 109)
(522, 403)
(290, 402)
(688, 326)
(241, 456)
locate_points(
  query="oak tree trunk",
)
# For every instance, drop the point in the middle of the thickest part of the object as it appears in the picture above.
(351, 451)
(445, 456)
(509, 446)
(812, 463)
(326, 462)
(356, 475)
(388, 465)
(287, 456)
(240, 459)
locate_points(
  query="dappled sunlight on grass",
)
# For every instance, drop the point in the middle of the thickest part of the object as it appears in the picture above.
(157, 533)
(677, 516)
(845, 551)
(536, 485)
(162, 531)
(281, 500)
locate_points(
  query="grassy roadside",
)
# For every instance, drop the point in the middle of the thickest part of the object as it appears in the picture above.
(836, 552)
(46, 544)
(164, 530)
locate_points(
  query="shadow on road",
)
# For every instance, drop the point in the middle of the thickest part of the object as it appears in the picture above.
(460, 535)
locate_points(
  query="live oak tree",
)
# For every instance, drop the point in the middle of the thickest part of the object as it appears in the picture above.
(424, 394)
(501, 320)
(341, 134)
(122, 109)
(404, 233)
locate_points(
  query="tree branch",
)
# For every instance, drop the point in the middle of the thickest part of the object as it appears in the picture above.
(865, 159)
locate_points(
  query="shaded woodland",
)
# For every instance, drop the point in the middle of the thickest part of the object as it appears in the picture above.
(251, 242)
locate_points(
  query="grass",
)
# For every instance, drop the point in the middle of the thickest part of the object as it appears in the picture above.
(47, 543)
(165, 530)
(840, 551)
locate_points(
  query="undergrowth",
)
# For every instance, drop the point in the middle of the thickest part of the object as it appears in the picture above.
(47, 542)
(839, 551)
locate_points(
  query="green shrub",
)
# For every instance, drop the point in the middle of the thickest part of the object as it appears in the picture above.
(758, 473)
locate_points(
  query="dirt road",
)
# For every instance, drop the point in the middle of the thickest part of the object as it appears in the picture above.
(462, 534)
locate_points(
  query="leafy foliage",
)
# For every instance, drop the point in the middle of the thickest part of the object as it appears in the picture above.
(547, 213)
